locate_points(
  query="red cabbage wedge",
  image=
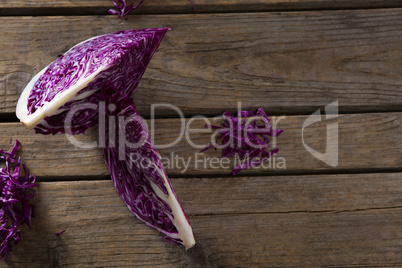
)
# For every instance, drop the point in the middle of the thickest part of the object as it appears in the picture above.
(138, 174)
(108, 68)
(78, 76)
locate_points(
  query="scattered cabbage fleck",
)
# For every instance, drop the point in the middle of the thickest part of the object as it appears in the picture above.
(243, 136)
(122, 9)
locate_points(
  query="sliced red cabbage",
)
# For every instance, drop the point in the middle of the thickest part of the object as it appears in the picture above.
(77, 77)
(246, 138)
(138, 174)
(108, 68)
(15, 197)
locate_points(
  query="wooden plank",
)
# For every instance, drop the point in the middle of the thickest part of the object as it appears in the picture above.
(369, 142)
(285, 194)
(80, 7)
(289, 62)
(331, 220)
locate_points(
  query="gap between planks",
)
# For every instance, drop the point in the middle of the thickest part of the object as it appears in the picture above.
(247, 173)
(12, 118)
(82, 7)
(263, 194)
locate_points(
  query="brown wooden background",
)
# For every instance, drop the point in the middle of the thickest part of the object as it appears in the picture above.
(290, 57)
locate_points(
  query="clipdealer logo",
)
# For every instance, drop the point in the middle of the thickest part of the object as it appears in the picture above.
(330, 157)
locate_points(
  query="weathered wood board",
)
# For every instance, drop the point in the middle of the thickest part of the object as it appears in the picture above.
(293, 221)
(366, 142)
(88, 7)
(285, 62)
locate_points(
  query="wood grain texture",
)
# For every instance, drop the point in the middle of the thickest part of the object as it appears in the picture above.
(289, 62)
(369, 142)
(88, 7)
(298, 221)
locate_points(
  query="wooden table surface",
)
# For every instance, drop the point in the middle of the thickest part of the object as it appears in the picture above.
(290, 57)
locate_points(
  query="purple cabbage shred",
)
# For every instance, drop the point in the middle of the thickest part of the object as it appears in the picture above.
(122, 9)
(16, 193)
(59, 233)
(247, 139)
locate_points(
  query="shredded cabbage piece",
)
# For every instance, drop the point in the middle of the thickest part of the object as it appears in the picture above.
(122, 9)
(16, 193)
(247, 139)
(59, 233)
